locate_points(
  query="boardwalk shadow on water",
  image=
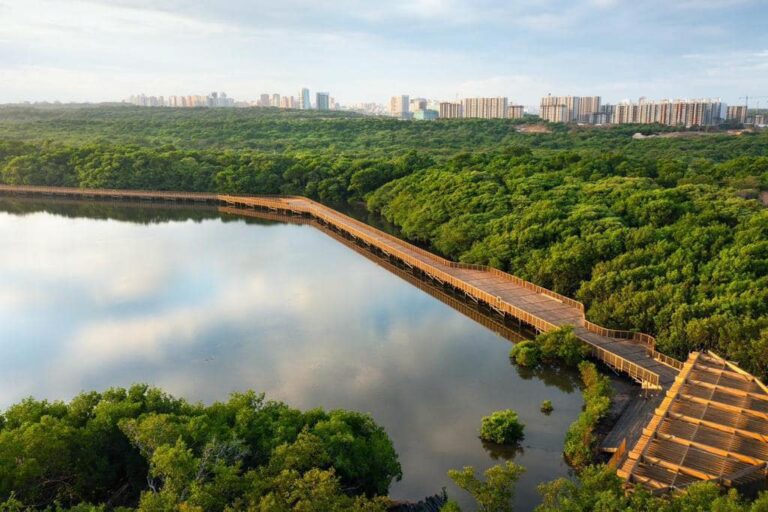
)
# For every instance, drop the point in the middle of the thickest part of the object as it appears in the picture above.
(114, 294)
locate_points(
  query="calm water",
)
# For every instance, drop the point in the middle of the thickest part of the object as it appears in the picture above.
(202, 304)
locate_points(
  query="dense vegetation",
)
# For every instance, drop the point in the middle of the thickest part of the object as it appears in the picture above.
(580, 440)
(598, 488)
(560, 346)
(272, 130)
(140, 447)
(494, 494)
(661, 235)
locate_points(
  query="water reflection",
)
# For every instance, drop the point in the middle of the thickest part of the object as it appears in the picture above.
(94, 295)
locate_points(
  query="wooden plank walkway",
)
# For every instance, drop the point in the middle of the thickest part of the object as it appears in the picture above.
(538, 307)
(631, 353)
(711, 425)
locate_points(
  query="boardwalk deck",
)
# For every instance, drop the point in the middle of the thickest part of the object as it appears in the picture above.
(712, 423)
(531, 304)
(511, 296)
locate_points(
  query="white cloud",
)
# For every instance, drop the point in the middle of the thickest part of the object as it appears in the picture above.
(147, 336)
(100, 50)
(52, 18)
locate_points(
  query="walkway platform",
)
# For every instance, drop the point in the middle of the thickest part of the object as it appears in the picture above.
(711, 425)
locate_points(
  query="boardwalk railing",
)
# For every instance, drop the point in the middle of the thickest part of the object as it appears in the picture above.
(650, 379)
(363, 232)
(669, 361)
(428, 263)
(108, 193)
(618, 456)
(639, 337)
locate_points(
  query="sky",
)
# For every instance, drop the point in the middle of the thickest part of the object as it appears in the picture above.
(106, 50)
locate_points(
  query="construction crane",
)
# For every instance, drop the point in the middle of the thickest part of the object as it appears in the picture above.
(746, 100)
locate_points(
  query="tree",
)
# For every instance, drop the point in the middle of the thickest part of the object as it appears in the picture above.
(142, 447)
(495, 494)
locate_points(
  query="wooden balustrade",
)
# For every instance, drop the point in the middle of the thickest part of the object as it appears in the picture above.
(665, 359)
(618, 455)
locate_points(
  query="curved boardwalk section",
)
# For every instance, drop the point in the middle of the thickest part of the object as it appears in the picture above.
(545, 310)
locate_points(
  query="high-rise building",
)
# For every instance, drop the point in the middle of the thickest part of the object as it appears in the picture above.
(450, 110)
(554, 113)
(515, 111)
(322, 101)
(737, 113)
(699, 112)
(304, 99)
(399, 106)
(588, 106)
(578, 109)
(484, 108)
(275, 102)
(554, 109)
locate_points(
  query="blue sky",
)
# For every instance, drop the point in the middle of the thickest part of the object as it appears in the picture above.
(99, 50)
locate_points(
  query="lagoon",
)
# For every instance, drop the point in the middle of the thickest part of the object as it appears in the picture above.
(202, 303)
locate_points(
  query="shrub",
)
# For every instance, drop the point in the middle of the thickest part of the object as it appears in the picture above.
(526, 353)
(502, 427)
(546, 407)
(562, 345)
(450, 506)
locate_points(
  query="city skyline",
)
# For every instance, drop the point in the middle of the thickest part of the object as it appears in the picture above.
(363, 51)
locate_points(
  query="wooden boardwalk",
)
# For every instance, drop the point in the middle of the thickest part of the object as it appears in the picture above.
(631, 353)
(711, 425)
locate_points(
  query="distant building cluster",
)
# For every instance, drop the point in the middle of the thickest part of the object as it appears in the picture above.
(589, 110)
(698, 112)
(570, 109)
(402, 107)
(323, 101)
(555, 109)
(215, 99)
